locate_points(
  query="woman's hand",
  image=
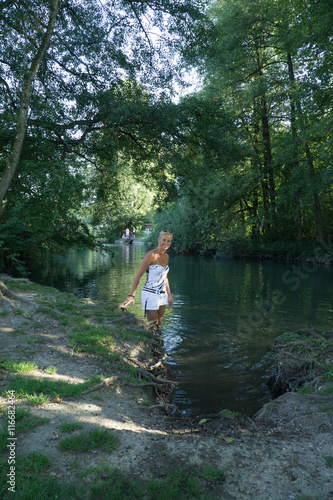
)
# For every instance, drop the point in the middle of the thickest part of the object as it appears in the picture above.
(170, 301)
(129, 301)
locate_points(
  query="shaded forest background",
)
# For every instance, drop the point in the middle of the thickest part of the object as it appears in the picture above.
(209, 118)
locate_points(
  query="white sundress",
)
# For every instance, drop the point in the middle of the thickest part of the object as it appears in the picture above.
(154, 292)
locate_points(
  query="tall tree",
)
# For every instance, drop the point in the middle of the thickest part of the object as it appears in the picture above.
(94, 46)
(29, 74)
(268, 62)
(65, 71)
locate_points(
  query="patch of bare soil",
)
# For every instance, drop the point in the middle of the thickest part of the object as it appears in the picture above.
(284, 452)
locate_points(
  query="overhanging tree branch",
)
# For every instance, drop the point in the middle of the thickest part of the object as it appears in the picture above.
(8, 3)
(14, 158)
(8, 92)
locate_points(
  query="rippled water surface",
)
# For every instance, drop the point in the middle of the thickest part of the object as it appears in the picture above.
(226, 316)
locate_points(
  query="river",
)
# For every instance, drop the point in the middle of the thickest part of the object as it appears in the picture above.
(227, 313)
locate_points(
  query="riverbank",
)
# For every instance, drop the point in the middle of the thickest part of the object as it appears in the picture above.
(88, 425)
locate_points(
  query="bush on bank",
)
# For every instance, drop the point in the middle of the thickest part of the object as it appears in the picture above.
(200, 233)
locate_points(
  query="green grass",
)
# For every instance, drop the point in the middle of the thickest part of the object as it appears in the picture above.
(34, 482)
(99, 318)
(95, 438)
(25, 386)
(65, 320)
(328, 372)
(132, 372)
(113, 356)
(23, 286)
(20, 312)
(129, 334)
(210, 474)
(37, 399)
(305, 389)
(34, 287)
(107, 311)
(18, 331)
(79, 320)
(177, 485)
(69, 297)
(90, 338)
(18, 366)
(51, 370)
(24, 422)
(70, 426)
(327, 409)
(229, 413)
(292, 336)
(50, 312)
(328, 390)
(64, 306)
(308, 389)
(33, 340)
(126, 334)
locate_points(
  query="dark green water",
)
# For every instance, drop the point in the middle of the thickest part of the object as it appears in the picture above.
(225, 318)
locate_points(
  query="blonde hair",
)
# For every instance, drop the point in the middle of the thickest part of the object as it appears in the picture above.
(165, 231)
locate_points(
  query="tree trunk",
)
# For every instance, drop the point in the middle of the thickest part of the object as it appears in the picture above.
(316, 201)
(255, 230)
(266, 135)
(309, 158)
(268, 182)
(15, 154)
(295, 159)
(255, 205)
(265, 201)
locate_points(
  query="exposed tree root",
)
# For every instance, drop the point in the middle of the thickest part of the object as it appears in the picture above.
(152, 377)
(104, 383)
(144, 384)
(6, 295)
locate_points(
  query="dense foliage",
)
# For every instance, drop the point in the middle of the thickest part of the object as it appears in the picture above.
(80, 84)
(93, 141)
(268, 66)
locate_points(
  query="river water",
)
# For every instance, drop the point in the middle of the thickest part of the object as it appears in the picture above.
(227, 313)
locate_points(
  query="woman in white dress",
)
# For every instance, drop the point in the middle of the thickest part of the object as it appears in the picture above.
(156, 293)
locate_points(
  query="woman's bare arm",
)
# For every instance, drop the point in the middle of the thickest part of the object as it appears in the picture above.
(168, 292)
(146, 261)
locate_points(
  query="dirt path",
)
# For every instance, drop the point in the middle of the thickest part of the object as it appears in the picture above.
(284, 452)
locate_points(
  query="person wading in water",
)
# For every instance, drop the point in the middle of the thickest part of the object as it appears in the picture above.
(156, 293)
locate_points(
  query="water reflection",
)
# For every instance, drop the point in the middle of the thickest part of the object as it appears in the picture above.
(224, 322)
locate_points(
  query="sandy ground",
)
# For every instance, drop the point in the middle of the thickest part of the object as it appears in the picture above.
(284, 452)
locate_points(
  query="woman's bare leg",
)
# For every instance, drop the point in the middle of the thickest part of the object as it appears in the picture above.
(160, 315)
(152, 316)
(156, 315)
